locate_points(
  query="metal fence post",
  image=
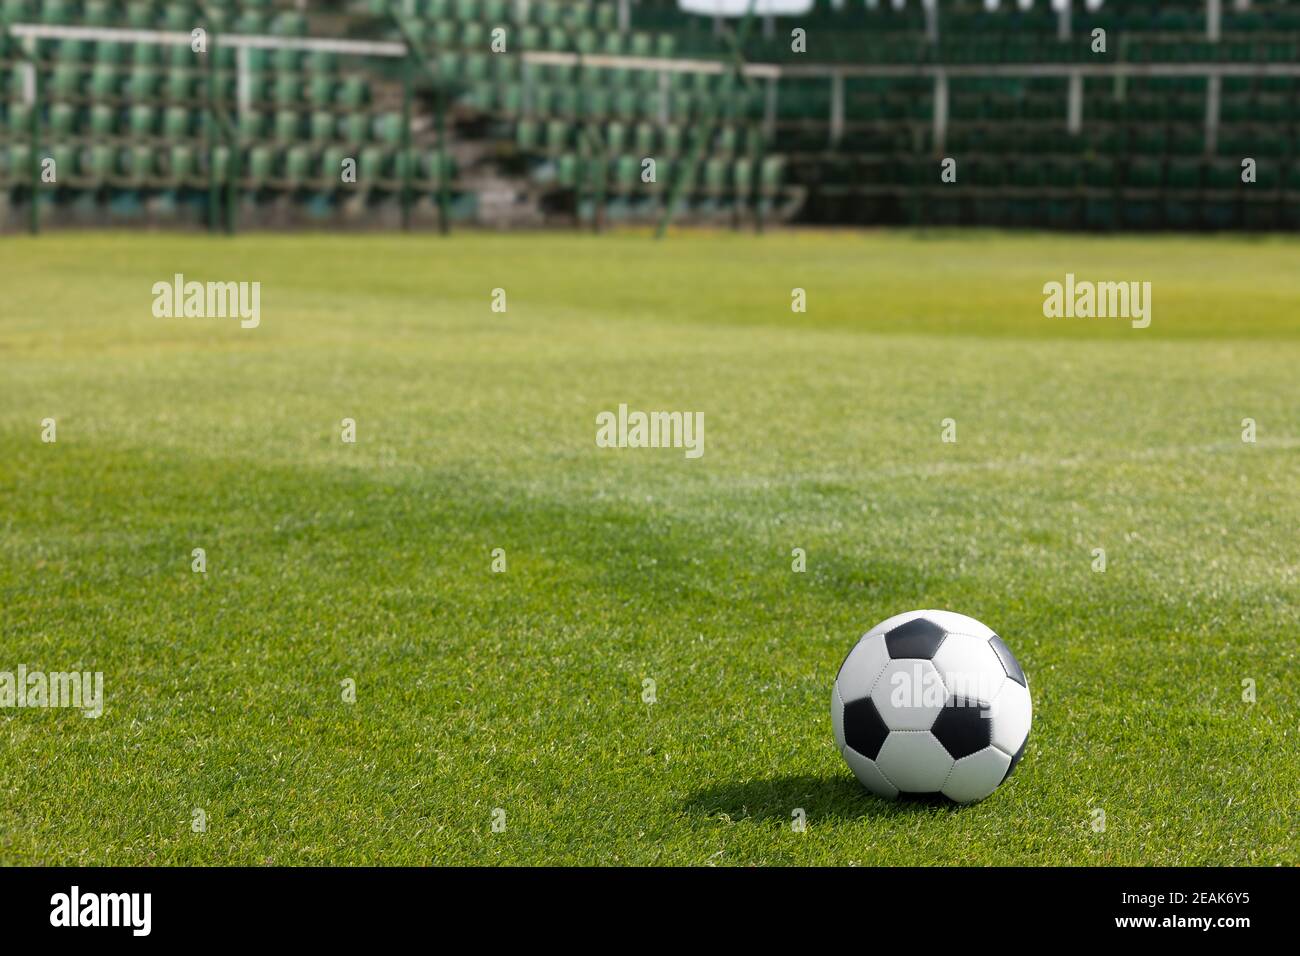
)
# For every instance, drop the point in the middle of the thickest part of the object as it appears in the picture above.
(444, 188)
(214, 188)
(34, 119)
(407, 78)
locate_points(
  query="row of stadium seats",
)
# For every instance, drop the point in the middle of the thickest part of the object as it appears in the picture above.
(145, 84)
(475, 36)
(451, 65)
(978, 167)
(1060, 174)
(190, 206)
(143, 15)
(645, 139)
(854, 31)
(569, 102)
(619, 210)
(96, 164)
(141, 121)
(63, 82)
(1274, 99)
(1038, 141)
(814, 105)
(1008, 16)
(115, 53)
(1278, 48)
(1099, 212)
(714, 177)
(567, 14)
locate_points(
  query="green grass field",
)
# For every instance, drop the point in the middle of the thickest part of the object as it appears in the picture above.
(523, 690)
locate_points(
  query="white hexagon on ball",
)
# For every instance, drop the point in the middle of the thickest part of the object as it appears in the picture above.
(969, 667)
(909, 694)
(914, 761)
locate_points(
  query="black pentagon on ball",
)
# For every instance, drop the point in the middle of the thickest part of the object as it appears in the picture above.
(1015, 759)
(1009, 662)
(963, 727)
(864, 730)
(918, 638)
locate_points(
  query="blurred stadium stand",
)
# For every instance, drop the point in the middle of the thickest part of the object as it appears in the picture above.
(1046, 130)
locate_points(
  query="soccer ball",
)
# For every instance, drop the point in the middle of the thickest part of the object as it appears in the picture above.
(931, 702)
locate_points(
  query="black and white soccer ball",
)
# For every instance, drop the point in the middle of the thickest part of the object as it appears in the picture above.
(931, 702)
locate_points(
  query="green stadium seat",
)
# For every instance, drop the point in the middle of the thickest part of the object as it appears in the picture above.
(715, 176)
(594, 103)
(557, 136)
(329, 168)
(742, 177)
(671, 140)
(287, 89)
(138, 164)
(627, 174)
(251, 21)
(98, 163)
(139, 15)
(371, 171)
(321, 61)
(182, 164)
(179, 17)
(19, 161)
(771, 175)
(260, 88)
(65, 157)
(289, 24)
(142, 83)
(287, 126)
(56, 12)
(177, 122)
(107, 51)
(354, 128)
(251, 125)
(511, 101)
(64, 80)
(259, 165)
(429, 169)
(387, 128)
(352, 92)
(179, 85)
(101, 120)
(142, 121)
(527, 135)
(179, 55)
(102, 82)
(319, 89)
(320, 126)
(474, 37)
(98, 13)
(567, 171)
(1223, 175)
(297, 166)
(616, 139)
(218, 162)
(287, 59)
